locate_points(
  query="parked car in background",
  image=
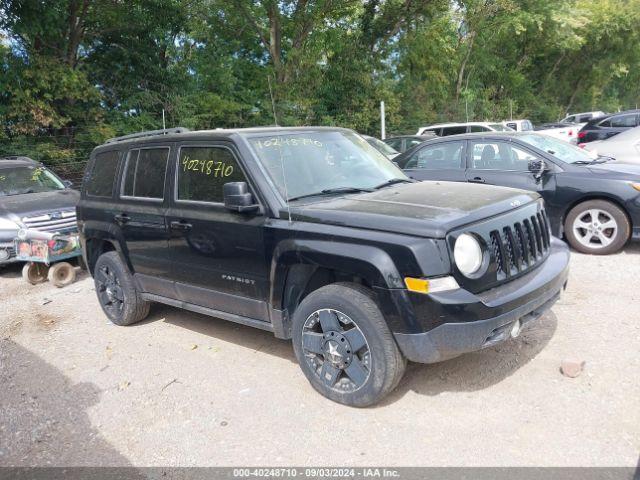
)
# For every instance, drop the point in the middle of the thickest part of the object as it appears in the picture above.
(402, 143)
(519, 125)
(604, 127)
(382, 147)
(562, 131)
(312, 234)
(622, 148)
(32, 197)
(446, 129)
(583, 117)
(592, 202)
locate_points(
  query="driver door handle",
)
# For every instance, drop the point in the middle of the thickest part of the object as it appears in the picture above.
(122, 218)
(477, 180)
(181, 225)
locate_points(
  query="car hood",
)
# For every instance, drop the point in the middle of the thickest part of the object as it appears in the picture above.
(426, 209)
(14, 207)
(621, 171)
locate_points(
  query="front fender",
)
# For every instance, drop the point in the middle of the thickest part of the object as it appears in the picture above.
(365, 261)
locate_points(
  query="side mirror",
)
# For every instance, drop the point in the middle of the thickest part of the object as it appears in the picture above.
(67, 183)
(538, 167)
(238, 198)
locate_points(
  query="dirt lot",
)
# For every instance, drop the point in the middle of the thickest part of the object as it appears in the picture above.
(185, 389)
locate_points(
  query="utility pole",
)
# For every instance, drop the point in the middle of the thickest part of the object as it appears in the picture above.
(382, 120)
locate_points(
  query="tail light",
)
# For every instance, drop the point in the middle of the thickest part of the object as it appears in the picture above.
(581, 135)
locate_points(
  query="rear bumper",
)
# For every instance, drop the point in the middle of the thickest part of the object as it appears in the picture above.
(527, 299)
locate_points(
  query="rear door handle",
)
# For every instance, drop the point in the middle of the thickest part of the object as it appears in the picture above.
(122, 218)
(181, 225)
(477, 180)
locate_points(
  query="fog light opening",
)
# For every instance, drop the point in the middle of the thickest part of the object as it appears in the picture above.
(515, 329)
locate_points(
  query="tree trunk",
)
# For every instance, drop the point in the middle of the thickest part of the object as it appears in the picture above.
(275, 41)
(77, 16)
(467, 55)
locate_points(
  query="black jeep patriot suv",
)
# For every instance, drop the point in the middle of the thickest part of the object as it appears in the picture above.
(312, 234)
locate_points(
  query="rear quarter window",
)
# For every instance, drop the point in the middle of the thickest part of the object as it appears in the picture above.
(145, 172)
(101, 177)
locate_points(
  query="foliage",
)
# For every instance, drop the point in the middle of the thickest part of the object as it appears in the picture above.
(75, 72)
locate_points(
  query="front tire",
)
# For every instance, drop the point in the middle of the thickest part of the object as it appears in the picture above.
(116, 291)
(597, 227)
(344, 346)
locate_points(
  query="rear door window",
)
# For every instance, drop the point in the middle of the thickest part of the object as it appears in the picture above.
(478, 128)
(101, 179)
(203, 171)
(145, 173)
(623, 121)
(442, 156)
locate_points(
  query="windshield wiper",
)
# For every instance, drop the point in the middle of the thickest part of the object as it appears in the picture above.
(595, 161)
(393, 181)
(330, 191)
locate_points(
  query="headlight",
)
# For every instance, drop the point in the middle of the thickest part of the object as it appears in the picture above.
(467, 254)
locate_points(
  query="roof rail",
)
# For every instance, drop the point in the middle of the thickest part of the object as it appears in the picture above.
(21, 158)
(148, 133)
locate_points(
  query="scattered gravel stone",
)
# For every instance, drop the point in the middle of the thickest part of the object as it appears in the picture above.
(572, 368)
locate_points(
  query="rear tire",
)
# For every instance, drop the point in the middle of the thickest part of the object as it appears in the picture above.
(344, 346)
(597, 227)
(116, 291)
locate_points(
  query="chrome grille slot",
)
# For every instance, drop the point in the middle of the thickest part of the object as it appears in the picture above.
(52, 222)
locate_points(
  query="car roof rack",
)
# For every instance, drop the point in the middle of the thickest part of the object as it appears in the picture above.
(148, 133)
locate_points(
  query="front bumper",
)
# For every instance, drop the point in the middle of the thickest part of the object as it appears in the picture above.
(524, 299)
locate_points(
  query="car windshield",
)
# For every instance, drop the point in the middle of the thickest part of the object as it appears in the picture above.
(28, 179)
(308, 163)
(383, 147)
(559, 149)
(498, 127)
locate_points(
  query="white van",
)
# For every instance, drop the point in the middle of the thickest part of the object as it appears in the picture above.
(446, 129)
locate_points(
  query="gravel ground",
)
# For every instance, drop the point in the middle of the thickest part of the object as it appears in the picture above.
(182, 389)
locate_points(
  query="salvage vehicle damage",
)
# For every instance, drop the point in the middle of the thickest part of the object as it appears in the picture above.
(312, 234)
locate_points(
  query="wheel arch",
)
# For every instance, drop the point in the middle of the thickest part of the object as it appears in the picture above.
(99, 239)
(300, 267)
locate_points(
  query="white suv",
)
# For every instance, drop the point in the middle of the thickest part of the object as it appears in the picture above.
(446, 129)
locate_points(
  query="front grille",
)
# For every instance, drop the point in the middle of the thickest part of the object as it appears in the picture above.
(52, 222)
(518, 247)
(516, 242)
